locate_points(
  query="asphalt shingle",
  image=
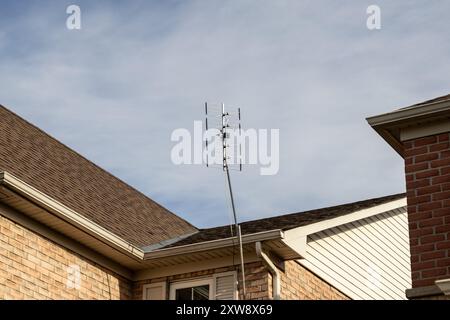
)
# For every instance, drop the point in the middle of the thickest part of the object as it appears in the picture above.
(287, 221)
(53, 168)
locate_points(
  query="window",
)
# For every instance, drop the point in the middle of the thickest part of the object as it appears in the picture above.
(192, 290)
(193, 293)
(221, 286)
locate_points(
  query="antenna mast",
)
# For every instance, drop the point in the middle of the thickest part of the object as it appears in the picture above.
(225, 116)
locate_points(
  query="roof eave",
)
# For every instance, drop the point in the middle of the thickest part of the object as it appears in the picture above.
(134, 255)
(297, 238)
(70, 216)
(388, 125)
(213, 244)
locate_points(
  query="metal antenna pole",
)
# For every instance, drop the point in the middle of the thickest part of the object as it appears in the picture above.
(237, 227)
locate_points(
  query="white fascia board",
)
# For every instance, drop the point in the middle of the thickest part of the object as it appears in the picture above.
(297, 238)
(69, 215)
(411, 113)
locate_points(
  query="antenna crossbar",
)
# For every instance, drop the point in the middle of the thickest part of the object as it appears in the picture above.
(225, 118)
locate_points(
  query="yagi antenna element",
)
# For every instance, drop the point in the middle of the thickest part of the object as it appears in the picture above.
(224, 129)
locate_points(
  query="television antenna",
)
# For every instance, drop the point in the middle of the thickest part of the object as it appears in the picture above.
(224, 120)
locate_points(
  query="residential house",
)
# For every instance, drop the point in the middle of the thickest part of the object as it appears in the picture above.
(420, 134)
(71, 230)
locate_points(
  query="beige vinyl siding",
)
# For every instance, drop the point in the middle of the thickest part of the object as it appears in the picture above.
(365, 259)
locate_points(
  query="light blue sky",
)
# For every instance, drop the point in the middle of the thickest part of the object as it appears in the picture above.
(116, 89)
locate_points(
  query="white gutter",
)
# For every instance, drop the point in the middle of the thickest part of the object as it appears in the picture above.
(69, 215)
(393, 125)
(410, 113)
(272, 269)
(213, 244)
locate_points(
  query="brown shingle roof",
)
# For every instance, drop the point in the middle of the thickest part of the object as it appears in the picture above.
(438, 99)
(286, 222)
(48, 165)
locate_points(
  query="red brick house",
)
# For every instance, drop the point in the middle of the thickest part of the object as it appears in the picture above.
(420, 134)
(71, 230)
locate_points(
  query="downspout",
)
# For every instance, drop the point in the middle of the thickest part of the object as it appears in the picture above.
(272, 269)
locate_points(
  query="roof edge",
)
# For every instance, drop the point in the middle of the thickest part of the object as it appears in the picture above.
(120, 180)
(388, 125)
(140, 254)
(409, 114)
(297, 238)
(69, 215)
(89, 227)
(304, 231)
(213, 244)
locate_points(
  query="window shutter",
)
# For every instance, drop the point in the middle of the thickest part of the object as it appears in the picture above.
(225, 284)
(156, 291)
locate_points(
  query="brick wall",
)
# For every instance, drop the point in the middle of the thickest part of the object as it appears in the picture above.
(298, 283)
(256, 280)
(427, 169)
(32, 267)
